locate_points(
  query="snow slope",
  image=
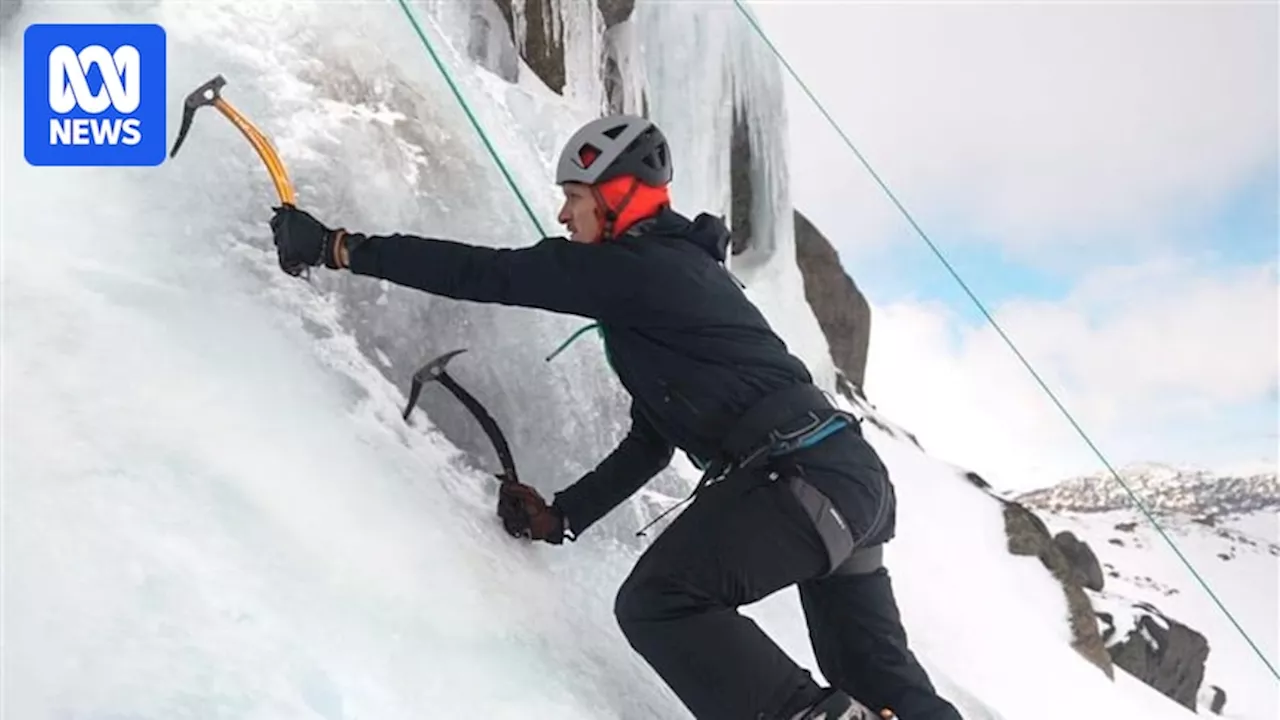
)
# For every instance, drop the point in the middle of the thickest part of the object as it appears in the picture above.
(211, 505)
(1236, 553)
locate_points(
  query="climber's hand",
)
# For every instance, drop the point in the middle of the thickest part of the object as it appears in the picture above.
(302, 241)
(525, 514)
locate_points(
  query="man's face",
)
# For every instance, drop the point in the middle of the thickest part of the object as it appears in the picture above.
(580, 213)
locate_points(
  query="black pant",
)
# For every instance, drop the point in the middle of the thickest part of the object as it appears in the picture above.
(738, 542)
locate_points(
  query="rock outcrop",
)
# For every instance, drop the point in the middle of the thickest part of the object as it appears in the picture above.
(615, 11)
(1086, 571)
(542, 42)
(842, 311)
(1028, 535)
(1160, 651)
(1217, 699)
(542, 35)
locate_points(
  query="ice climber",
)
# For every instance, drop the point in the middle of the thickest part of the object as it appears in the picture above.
(792, 494)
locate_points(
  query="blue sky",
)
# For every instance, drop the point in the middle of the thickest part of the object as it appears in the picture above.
(1116, 210)
(1244, 231)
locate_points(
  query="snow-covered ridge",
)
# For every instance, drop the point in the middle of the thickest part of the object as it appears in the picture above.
(1163, 489)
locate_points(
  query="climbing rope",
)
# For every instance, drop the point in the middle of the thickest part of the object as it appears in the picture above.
(466, 108)
(982, 308)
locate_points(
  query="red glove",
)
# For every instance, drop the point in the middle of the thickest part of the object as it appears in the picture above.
(525, 514)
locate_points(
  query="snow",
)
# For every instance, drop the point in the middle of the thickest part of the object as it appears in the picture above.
(212, 507)
(1142, 568)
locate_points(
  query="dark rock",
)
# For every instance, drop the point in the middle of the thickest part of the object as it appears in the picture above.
(840, 307)
(543, 49)
(1116, 541)
(1126, 526)
(615, 11)
(1165, 654)
(741, 195)
(1026, 531)
(1084, 563)
(1219, 700)
(1028, 535)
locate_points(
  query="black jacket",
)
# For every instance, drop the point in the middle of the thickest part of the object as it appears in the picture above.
(684, 340)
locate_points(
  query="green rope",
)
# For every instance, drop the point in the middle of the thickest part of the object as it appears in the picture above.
(982, 308)
(574, 336)
(471, 116)
(417, 27)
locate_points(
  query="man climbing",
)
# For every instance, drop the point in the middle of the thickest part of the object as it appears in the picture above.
(792, 494)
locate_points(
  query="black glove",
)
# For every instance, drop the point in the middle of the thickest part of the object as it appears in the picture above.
(302, 241)
(525, 514)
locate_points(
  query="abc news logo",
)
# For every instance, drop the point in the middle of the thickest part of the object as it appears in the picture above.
(69, 89)
(94, 94)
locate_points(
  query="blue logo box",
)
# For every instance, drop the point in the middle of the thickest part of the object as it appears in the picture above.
(94, 94)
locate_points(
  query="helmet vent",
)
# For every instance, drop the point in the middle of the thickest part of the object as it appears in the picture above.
(587, 154)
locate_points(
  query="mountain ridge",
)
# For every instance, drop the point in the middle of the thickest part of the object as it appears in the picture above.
(1204, 494)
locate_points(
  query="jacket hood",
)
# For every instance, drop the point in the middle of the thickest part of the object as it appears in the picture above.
(706, 231)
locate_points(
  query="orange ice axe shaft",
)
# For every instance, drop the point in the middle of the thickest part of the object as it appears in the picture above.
(209, 94)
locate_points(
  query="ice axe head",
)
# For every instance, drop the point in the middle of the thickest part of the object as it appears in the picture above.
(434, 369)
(207, 94)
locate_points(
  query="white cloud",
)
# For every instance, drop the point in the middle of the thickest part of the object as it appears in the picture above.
(1027, 120)
(1151, 360)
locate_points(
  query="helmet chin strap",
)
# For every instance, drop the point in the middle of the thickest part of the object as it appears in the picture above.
(610, 214)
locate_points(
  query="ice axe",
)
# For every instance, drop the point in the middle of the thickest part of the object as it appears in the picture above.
(508, 506)
(210, 94)
(435, 371)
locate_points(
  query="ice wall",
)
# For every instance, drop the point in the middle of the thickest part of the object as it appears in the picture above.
(375, 141)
